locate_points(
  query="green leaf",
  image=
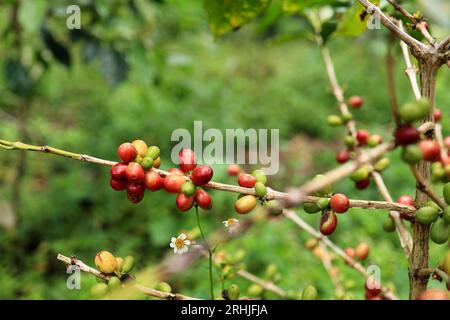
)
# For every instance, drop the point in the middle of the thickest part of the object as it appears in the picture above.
(327, 29)
(17, 77)
(354, 21)
(230, 15)
(294, 6)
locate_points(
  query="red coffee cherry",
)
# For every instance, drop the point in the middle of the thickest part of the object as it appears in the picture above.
(233, 170)
(362, 184)
(176, 171)
(362, 251)
(350, 252)
(434, 294)
(368, 296)
(118, 185)
(135, 192)
(187, 160)
(127, 152)
(173, 183)
(406, 134)
(328, 222)
(447, 142)
(246, 180)
(202, 175)
(355, 102)
(362, 136)
(153, 181)
(184, 203)
(430, 150)
(339, 203)
(343, 156)
(118, 171)
(437, 113)
(406, 200)
(135, 173)
(203, 199)
(373, 287)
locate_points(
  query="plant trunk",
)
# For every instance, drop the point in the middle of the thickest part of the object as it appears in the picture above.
(419, 255)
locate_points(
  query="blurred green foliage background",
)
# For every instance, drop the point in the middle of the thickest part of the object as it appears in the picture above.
(140, 69)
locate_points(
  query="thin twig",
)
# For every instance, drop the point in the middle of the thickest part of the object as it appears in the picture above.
(267, 285)
(332, 271)
(390, 62)
(425, 187)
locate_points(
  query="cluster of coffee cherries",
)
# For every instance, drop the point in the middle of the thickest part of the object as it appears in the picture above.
(440, 170)
(116, 268)
(133, 173)
(435, 293)
(256, 180)
(355, 102)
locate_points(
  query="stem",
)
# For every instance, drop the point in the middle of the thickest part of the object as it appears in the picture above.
(390, 63)
(210, 255)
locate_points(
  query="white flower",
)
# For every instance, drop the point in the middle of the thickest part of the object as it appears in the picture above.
(180, 244)
(232, 224)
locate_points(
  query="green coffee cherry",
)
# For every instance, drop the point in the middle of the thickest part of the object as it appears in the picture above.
(346, 117)
(389, 225)
(128, 264)
(326, 190)
(323, 203)
(260, 189)
(360, 174)
(372, 142)
(274, 207)
(260, 176)
(446, 192)
(413, 111)
(446, 215)
(271, 270)
(431, 203)
(350, 141)
(255, 290)
(382, 164)
(239, 255)
(439, 231)
(437, 171)
(412, 154)
(311, 207)
(147, 163)
(164, 287)
(334, 120)
(234, 292)
(113, 283)
(99, 290)
(153, 152)
(427, 214)
(188, 188)
(309, 293)
(119, 264)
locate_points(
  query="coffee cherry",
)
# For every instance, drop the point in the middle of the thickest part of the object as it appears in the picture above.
(173, 183)
(413, 111)
(153, 181)
(406, 135)
(187, 160)
(412, 154)
(446, 215)
(323, 203)
(360, 174)
(255, 290)
(339, 203)
(127, 152)
(118, 185)
(275, 207)
(427, 214)
(233, 292)
(350, 252)
(119, 264)
(372, 286)
(430, 150)
(153, 152)
(203, 199)
(374, 140)
(381, 164)
(389, 225)
(184, 202)
(437, 113)
(446, 192)
(99, 290)
(135, 192)
(176, 171)
(260, 176)
(406, 200)
(328, 222)
(343, 156)
(309, 293)
(355, 102)
(349, 141)
(128, 264)
(362, 136)
(439, 231)
(260, 189)
(434, 294)
(114, 283)
(141, 147)
(246, 180)
(431, 203)
(245, 204)
(138, 159)
(164, 287)
(311, 207)
(105, 261)
(346, 117)
(147, 163)
(233, 170)
(188, 188)
(118, 171)
(201, 175)
(446, 264)
(334, 120)
(157, 163)
(362, 184)
(135, 173)
(311, 243)
(362, 251)
(447, 142)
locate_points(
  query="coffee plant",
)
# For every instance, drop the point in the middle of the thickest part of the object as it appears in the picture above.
(418, 220)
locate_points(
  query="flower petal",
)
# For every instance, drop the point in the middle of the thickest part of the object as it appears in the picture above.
(187, 242)
(173, 239)
(182, 236)
(172, 245)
